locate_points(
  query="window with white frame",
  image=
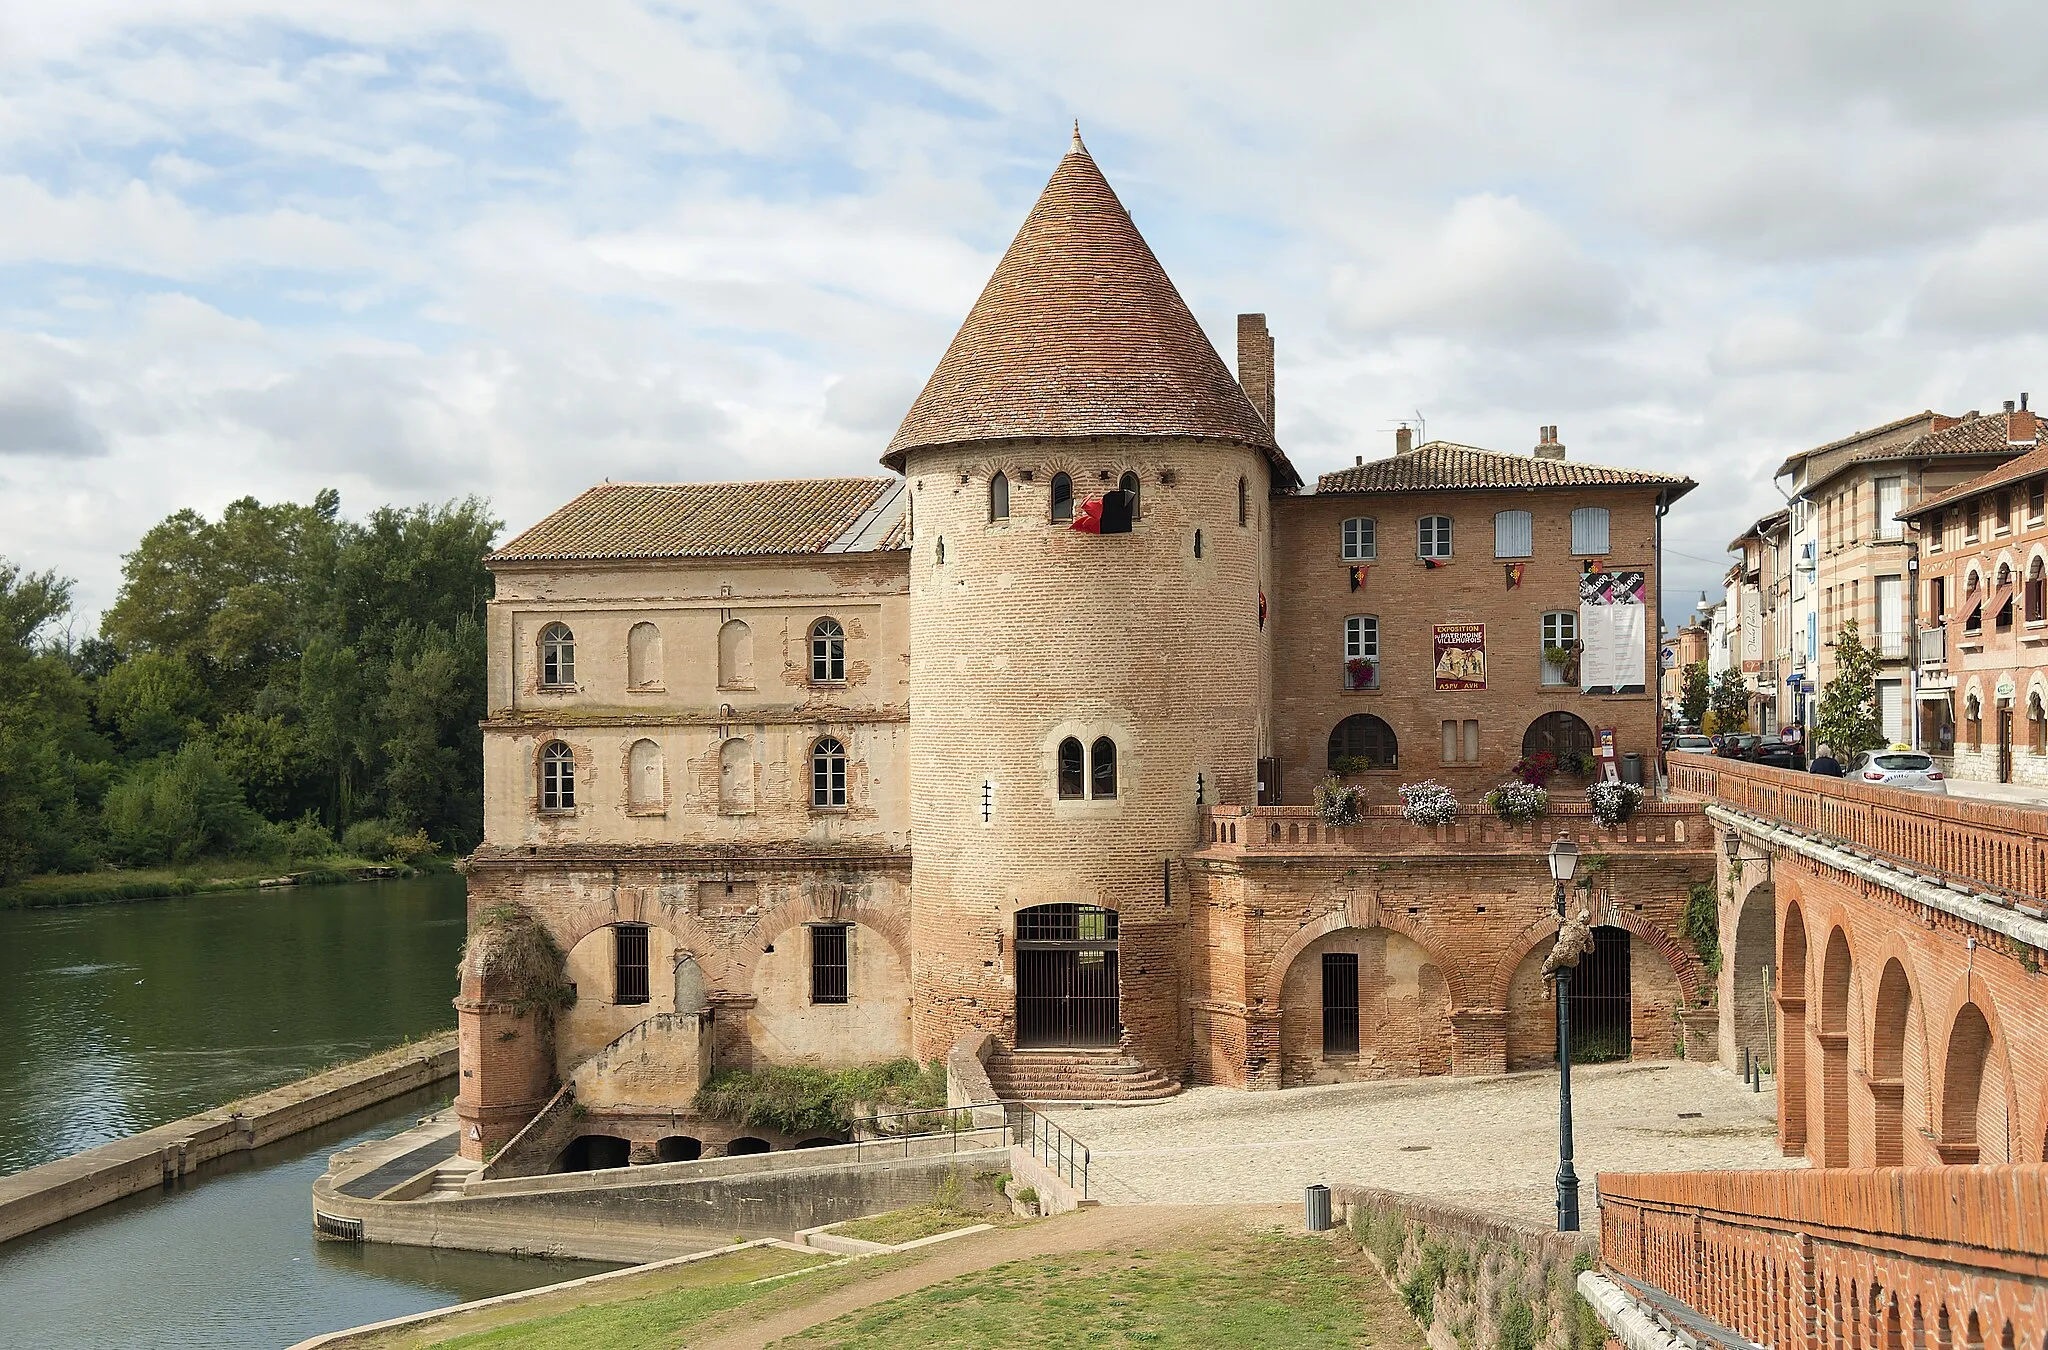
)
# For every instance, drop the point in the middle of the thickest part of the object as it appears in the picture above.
(1514, 534)
(828, 651)
(557, 778)
(1361, 652)
(557, 657)
(1361, 539)
(1560, 630)
(1589, 530)
(828, 774)
(1433, 537)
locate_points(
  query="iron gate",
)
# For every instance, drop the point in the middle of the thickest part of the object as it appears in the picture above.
(1066, 978)
(1602, 1021)
(1340, 1003)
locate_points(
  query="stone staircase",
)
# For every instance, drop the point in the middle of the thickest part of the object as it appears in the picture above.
(1075, 1076)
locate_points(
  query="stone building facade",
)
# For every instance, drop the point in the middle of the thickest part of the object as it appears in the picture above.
(828, 772)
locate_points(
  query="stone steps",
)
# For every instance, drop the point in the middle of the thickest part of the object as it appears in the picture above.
(1075, 1076)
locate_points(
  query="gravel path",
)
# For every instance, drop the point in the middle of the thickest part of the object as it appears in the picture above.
(1486, 1142)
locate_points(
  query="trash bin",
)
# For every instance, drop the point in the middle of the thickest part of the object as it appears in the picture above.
(1315, 1206)
(1632, 769)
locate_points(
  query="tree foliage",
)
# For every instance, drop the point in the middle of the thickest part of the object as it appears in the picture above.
(1848, 720)
(1729, 701)
(1693, 701)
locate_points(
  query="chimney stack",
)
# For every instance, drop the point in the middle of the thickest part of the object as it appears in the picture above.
(2008, 407)
(1404, 440)
(1548, 446)
(1255, 363)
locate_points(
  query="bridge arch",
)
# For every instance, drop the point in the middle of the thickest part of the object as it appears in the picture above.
(1837, 974)
(1792, 1030)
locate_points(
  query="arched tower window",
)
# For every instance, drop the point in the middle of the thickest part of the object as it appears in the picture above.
(1102, 768)
(828, 652)
(942, 550)
(999, 498)
(1198, 543)
(735, 655)
(643, 657)
(828, 773)
(1062, 497)
(557, 657)
(1128, 485)
(557, 777)
(1073, 773)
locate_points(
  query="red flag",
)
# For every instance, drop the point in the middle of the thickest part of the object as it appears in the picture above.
(1358, 576)
(1431, 563)
(1088, 520)
(1514, 576)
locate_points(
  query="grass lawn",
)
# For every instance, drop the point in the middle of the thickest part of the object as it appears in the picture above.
(626, 1313)
(908, 1225)
(1249, 1289)
(157, 883)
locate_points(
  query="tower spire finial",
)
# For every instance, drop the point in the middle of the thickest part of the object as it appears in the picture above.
(1077, 148)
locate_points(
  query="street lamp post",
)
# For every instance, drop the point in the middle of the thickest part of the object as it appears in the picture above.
(1564, 860)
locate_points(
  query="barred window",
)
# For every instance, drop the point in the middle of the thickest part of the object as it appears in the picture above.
(557, 777)
(828, 773)
(829, 982)
(557, 657)
(828, 651)
(629, 966)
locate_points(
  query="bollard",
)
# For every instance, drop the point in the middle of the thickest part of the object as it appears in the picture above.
(1743, 1060)
(1756, 1078)
(1315, 1204)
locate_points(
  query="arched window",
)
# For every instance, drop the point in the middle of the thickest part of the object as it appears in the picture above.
(735, 777)
(828, 651)
(735, 655)
(1073, 772)
(2037, 724)
(999, 498)
(1362, 652)
(1102, 768)
(828, 773)
(1062, 497)
(557, 777)
(1244, 502)
(643, 657)
(1362, 741)
(1128, 485)
(1589, 530)
(1361, 539)
(942, 550)
(557, 657)
(1973, 719)
(2037, 591)
(645, 785)
(1563, 735)
(1433, 537)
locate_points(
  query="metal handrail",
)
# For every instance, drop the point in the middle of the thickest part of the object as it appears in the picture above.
(1063, 1155)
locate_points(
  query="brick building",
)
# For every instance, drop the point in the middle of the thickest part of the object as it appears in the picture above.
(832, 771)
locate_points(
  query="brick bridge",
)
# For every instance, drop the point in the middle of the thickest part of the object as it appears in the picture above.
(1883, 962)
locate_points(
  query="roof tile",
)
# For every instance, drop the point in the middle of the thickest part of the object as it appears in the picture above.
(714, 520)
(1446, 465)
(2033, 462)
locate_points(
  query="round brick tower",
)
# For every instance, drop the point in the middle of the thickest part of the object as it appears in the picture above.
(1040, 652)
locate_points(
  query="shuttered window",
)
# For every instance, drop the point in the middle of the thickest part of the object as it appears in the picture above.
(1589, 530)
(1891, 499)
(1514, 534)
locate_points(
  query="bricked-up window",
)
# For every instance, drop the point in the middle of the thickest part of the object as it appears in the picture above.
(2037, 591)
(999, 498)
(1461, 742)
(1362, 652)
(1361, 539)
(1560, 631)
(1340, 1004)
(1514, 534)
(1589, 530)
(557, 777)
(1073, 770)
(1102, 768)
(1363, 739)
(828, 773)
(629, 963)
(828, 963)
(1433, 537)
(828, 652)
(557, 657)
(1062, 497)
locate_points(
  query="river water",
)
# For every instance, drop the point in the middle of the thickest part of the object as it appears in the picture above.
(122, 1017)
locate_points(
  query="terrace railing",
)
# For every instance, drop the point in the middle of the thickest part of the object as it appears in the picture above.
(1063, 1155)
(1273, 831)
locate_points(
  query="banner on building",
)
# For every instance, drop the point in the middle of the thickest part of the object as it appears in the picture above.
(1461, 656)
(1613, 625)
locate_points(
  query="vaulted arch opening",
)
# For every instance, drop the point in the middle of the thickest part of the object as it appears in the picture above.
(1792, 1088)
(1973, 1127)
(1751, 968)
(1892, 1044)
(1361, 1003)
(1835, 974)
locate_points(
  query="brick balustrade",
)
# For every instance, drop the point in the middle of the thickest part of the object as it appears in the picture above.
(2001, 848)
(1840, 1259)
(1275, 831)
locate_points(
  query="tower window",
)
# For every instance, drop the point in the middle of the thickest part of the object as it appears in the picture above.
(828, 651)
(998, 498)
(828, 963)
(1062, 497)
(1128, 485)
(1072, 770)
(1102, 768)
(557, 777)
(557, 657)
(1198, 543)
(629, 963)
(1244, 502)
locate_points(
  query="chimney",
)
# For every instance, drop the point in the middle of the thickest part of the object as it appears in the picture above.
(2020, 425)
(1404, 440)
(1548, 446)
(2008, 407)
(1255, 363)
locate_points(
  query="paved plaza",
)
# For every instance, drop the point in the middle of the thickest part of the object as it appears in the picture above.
(1485, 1142)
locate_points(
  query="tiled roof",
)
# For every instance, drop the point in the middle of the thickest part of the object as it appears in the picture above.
(1793, 461)
(1080, 333)
(719, 520)
(2033, 462)
(1442, 465)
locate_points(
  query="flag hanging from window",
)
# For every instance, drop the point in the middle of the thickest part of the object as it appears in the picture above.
(1432, 563)
(1262, 608)
(1514, 576)
(1108, 514)
(1358, 575)
(1593, 566)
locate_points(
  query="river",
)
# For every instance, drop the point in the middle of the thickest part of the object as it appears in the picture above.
(122, 1017)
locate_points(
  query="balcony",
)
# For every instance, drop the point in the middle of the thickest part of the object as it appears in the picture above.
(1933, 648)
(1891, 646)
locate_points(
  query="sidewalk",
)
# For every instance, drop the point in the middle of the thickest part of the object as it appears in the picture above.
(2005, 794)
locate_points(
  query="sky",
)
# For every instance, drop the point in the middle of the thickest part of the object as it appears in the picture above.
(420, 250)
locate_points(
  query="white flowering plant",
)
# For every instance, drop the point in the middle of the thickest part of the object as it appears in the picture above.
(1339, 804)
(1614, 803)
(1518, 803)
(1428, 803)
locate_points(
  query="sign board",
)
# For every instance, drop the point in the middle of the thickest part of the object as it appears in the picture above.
(1610, 763)
(1461, 656)
(1667, 657)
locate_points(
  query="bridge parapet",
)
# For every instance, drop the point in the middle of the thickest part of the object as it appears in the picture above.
(1819, 1260)
(1999, 848)
(1293, 831)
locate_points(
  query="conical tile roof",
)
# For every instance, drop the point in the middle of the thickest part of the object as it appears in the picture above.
(1081, 333)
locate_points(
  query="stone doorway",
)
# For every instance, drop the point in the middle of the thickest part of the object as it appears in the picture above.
(1067, 978)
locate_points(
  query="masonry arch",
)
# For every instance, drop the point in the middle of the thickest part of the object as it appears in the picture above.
(622, 973)
(646, 776)
(1792, 1030)
(678, 1148)
(1624, 996)
(1973, 1091)
(593, 1153)
(1751, 971)
(735, 655)
(1560, 734)
(1836, 972)
(829, 991)
(643, 657)
(735, 777)
(1363, 1002)
(1898, 1070)
(1468, 987)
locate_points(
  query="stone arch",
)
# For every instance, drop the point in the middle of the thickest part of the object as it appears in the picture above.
(678, 1148)
(1558, 733)
(1973, 1105)
(1753, 950)
(593, 1153)
(1897, 1077)
(735, 655)
(646, 775)
(785, 1027)
(735, 776)
(1403, 1009)
(1792, 1030)
(1837, 973)
(1365, 911)
(643, 657)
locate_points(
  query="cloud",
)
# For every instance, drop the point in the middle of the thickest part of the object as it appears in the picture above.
(46, 421)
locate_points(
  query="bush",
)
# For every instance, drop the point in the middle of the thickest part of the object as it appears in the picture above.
(1517, 1326)
(1518, 803)
(1338, 804)
(1703, 925)
(815, 1101)
(1536, 769)
(178, 807)
(1614, 803)
(1428, 803)
(379, 840)
(303, 840)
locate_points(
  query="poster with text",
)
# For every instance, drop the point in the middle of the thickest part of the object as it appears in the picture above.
(1461, 656)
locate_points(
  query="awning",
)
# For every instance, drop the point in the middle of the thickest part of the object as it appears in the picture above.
(1968, 615)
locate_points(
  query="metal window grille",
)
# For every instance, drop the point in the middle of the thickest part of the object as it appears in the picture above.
(828, 651)
(557, 778)
(629, 967)
(828, 773)
(1361, 539)
(1363, 736)
(828, 963)
(1102, 768)
(1602, 1011)
(1433, 537)
(1073, 773)
(1340, 1003)
(557, 656)
(1067, 977)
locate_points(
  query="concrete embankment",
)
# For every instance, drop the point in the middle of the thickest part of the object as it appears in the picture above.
(39, 1196)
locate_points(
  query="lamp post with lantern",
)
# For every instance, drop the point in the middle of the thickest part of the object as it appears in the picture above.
(1564, 861)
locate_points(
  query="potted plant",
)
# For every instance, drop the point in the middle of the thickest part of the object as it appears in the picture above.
(1361, 672)
(1338, 803)
(1614, 803)
(1428, 803)
(1535, 769)
(1344, 766)
(1518, 803)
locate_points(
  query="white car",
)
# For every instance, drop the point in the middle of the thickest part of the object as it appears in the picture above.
(1693, 745)
(1908, 769)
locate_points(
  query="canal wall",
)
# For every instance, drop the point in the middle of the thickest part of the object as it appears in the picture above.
(38, 1196)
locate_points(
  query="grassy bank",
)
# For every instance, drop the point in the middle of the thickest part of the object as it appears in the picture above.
(197, 878)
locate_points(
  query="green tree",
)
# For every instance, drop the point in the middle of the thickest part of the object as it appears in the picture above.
(1848, 719)
(1693, 701)
(178, 807)
(154, 700)
(433, 700)
(1729, 701)
(50, 760)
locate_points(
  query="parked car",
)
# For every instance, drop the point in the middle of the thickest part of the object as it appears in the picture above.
(1784, 752)
(1908, 769)
(1737, 745)
(1693, 744)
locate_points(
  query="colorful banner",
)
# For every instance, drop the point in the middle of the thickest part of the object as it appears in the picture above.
(1612, 626)
(1461, 656)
